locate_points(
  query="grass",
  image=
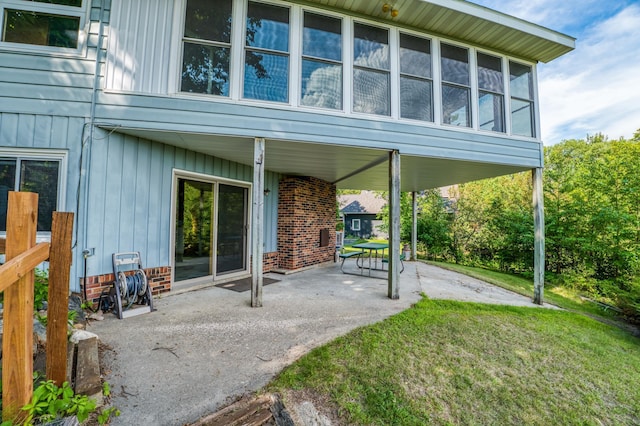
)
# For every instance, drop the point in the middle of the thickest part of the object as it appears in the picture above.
(445, 362)
(559, 296)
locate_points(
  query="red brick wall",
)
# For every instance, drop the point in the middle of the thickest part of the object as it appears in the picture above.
(306, 205)
(269, 261)
(159, 280)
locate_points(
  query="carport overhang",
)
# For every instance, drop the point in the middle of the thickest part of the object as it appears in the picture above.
(347, 167)
(351, 168)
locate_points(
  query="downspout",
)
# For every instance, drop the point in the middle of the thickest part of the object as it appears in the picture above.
(86, 252)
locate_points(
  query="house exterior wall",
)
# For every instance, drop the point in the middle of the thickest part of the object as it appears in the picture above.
(306, 206)
(120, 186)
(142, 71)
(130, 198)
(368, 225)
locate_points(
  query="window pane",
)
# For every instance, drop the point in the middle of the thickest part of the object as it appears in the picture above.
(42, 29)
(7, 183)
(321, 84)
(41, 177)
(208, 20)
(455, 106)
(455, 64)
(415, 56)
(77, 3)
(371, 92)
(205, 69)
(268, 27)
(415, 99)
(521, 81)
(490, 73)
(266, 77)
(491, 112)
(322, 37)
(371, 47)
(522, 118)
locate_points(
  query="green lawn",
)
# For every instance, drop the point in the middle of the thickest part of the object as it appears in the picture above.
(559, 296)
(445, 362)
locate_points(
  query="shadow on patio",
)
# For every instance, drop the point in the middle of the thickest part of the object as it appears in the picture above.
(201, 348)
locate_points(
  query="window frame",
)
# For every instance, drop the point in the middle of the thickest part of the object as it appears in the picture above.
(61, 156)
(393, 73)
(531, 101)
(376, 71)
(289, 54)
(481, 91)
(353, 224)
(460, 86)
(303, 57)
(408, 76)
(81, 12)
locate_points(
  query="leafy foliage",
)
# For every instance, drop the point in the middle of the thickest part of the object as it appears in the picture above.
(592, 220)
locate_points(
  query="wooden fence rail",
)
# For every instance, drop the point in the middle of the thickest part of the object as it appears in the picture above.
(22, 255)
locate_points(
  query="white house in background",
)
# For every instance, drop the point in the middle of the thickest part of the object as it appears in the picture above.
(211, 135)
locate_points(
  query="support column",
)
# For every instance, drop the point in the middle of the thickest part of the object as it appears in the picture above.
(257, 233)
(394, 225)
(538, 224)
(414, 227)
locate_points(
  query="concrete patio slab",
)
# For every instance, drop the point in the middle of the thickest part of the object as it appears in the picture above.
(204, 347)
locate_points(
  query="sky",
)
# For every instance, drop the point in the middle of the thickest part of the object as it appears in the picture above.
(596, 87)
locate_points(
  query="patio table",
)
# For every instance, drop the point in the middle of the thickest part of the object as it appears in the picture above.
(372, 249)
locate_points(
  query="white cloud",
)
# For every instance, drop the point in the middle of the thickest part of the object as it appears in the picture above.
(595, 88)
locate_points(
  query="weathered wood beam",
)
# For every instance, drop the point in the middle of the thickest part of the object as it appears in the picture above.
(22, 264)
(414, 227)
(394, 225)
(257, 233)
(17, 341)
(59, 272)
(538, 224)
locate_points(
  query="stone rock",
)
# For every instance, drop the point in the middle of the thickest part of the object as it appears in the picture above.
(309, 416)
(39, 332)
(96, 316)
(75, 304)
(78, 335)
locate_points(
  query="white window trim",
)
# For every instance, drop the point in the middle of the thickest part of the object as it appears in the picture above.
(43, 154)
(216, 181)
(353, 225)
(54, 9)
(295, 59)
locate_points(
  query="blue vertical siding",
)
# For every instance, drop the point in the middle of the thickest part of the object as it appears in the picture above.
(130, 197)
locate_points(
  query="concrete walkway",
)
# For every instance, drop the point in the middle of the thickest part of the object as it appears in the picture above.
(204, 347)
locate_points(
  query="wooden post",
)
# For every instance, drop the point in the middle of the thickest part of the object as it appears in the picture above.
(59, 271)
(538, 224)
(257, 235)
(414, 227)
(17, 342)
(393, 290)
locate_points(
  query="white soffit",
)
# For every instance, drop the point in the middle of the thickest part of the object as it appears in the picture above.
(467, 22)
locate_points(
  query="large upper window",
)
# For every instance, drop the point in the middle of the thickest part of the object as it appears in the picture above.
(266, 62)
(522, 111)
(490, 93)
(371, 74)
(53, 23)
(416, 92)
(456, 85)
(33, 175)
(321, 62)
(206, 47)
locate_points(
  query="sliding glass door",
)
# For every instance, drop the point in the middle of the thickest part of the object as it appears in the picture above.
(211, 225)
